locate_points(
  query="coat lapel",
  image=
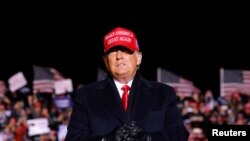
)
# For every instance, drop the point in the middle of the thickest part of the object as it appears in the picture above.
(139, 97)
(110, 96)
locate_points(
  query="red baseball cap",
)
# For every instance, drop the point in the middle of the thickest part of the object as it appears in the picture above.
(120, 37)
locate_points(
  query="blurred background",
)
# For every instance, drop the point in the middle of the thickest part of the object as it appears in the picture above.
(202, 53)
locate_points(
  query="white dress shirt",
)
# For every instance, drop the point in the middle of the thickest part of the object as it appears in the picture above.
(120, 85)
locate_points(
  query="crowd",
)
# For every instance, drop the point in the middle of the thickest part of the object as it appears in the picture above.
(202, 110)
(198, 111)
(16, 108)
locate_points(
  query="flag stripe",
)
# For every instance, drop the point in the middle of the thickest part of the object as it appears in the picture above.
(43, 80)
(183, 87)
(235, 81)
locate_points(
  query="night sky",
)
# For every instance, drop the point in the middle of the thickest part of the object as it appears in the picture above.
(194, 46)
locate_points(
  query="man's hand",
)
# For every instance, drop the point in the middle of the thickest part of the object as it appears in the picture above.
(127, 132)
(135, 132)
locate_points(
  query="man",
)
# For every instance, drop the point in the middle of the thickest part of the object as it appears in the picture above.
(125, 106)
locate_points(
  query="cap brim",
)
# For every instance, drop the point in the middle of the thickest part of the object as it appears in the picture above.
(122, 48)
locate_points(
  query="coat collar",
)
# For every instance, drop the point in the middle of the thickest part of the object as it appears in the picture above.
(138, 98)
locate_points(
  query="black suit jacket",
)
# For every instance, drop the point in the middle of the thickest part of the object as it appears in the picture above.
(97, 111)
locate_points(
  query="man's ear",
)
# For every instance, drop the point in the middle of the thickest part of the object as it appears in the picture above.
(139, 57)
(105, 59)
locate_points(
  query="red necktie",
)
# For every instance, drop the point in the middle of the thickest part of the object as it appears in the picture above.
(125, 89)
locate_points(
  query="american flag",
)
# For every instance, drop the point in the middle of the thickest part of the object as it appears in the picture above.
(183, 87)
(232, 81)
(43, 80)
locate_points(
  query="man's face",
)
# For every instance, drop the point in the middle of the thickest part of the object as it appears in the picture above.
(122, 63)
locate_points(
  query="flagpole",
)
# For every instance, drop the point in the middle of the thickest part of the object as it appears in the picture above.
(221, 81)
(158, 74)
